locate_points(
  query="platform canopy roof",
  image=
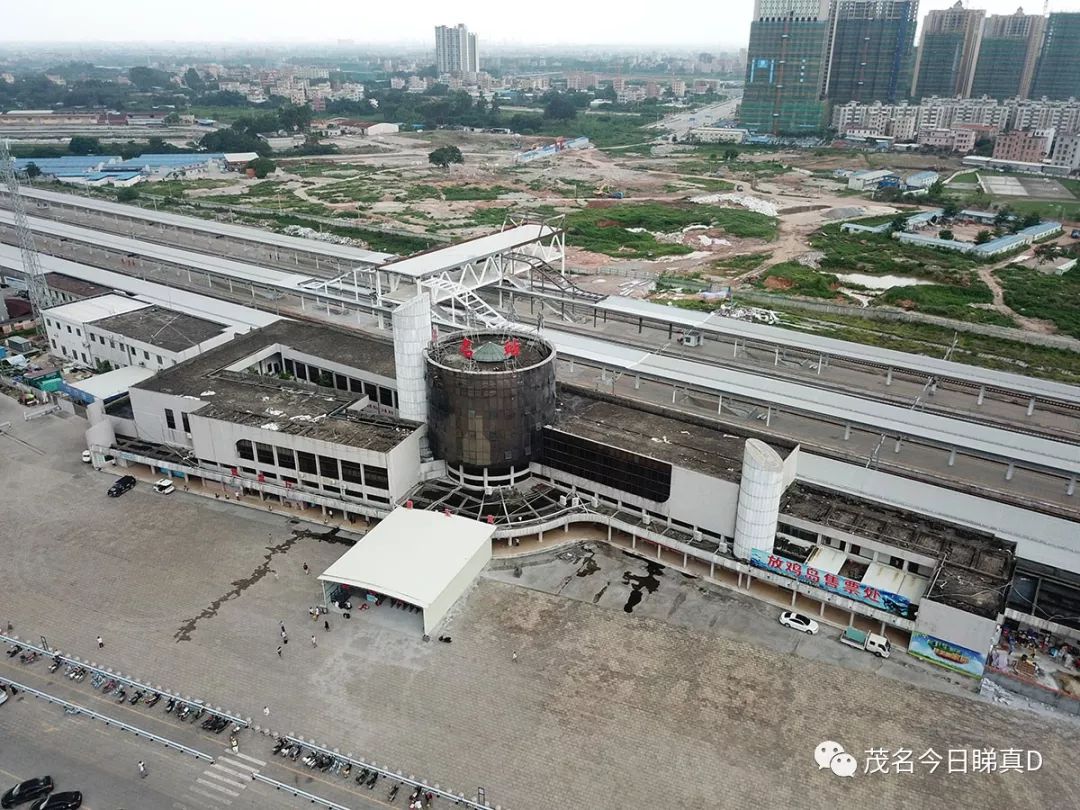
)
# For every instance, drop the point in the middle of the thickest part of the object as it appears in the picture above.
(413, 555)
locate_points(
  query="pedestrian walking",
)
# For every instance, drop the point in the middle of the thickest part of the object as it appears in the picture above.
(279, 651)
(282, 627)
(513, 657)
(142, 769)
(326, 626)
(266, 710)
(305, 568)
(100, 643)
(314, 643)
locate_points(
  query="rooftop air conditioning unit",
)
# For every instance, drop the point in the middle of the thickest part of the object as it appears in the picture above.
(562, 500)
(646, 520)
(697, 536)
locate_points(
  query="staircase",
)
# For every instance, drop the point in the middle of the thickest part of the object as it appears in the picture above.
(544, 275)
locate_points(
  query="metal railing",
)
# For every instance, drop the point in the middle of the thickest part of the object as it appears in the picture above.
(92, 669)
(435, 790)
(300, 794)
(74, 708)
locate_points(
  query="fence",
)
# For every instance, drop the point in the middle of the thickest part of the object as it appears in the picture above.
(434, 790)
(882, 314)
(109, 721)
(195, 703)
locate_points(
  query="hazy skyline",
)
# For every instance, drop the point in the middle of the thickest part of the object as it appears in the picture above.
(698, 23)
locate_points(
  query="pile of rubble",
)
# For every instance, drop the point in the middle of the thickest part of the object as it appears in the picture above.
(311, 233)
(747, 201)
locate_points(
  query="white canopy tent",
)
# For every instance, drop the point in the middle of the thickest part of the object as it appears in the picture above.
(427, 559)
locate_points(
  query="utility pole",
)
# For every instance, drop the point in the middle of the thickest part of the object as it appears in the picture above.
(35, 278)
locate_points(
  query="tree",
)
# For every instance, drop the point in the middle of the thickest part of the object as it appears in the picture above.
(1030, 219)
(950, 210)
(982, 237)
(936, 190)
(32, 171)
(230, 140)
(145, 78)
(1004, 214)
(730, 155)
(898, 223)
(193, 80)
(172, 119)
(445, 155)
(127, 194)
(945, 233)
(559, 107)
(83, 145)
(293, 117)
(262, 166)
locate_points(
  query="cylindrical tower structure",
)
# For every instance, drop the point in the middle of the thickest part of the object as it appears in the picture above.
(489, 395)
(760, 490)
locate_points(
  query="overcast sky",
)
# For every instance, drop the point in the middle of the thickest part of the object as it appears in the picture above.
(705, 23)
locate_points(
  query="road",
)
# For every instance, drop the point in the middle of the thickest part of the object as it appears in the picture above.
(82, 753)
(682, 122)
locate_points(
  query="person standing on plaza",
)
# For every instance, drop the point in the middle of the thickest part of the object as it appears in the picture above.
(305, 568)
(314, 643)
(100, 643)
(142, 769)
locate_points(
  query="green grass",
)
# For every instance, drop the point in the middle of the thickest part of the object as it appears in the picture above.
(458, 193)
(603, 229)
(422, 192)
(878, 253)
(926, 339)
(176, 188)
(795, 279)
(947, 301)
(1051, 298)
(347, 191)
(745, 261)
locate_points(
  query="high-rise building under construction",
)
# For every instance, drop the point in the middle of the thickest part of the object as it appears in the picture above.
(871, 50)
(785, 67)
(1057, 73)
(948, 51)
(1007, 55)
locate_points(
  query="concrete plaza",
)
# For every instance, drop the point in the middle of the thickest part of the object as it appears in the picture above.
(674, 704)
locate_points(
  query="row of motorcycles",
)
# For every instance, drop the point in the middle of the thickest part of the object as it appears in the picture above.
(124, 692)
(367, 777)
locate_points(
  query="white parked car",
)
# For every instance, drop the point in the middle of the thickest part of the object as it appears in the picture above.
(164, 487)
(796, 621)
(86, 457)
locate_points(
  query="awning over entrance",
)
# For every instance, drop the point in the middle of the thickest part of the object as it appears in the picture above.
(427, 559)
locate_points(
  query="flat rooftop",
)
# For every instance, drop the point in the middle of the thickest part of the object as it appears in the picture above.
(91, 310)
(167, 328)
(977, 565)
(74, 286)
(438, 260)
(653, 433)
(289, 406)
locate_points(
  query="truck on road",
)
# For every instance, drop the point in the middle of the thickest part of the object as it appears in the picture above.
(871, 642)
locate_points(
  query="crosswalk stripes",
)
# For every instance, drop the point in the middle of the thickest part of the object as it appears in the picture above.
(222, 782)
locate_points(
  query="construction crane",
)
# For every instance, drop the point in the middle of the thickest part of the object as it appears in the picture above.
(36, 284)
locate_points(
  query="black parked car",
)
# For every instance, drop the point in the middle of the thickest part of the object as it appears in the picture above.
(25, 791)
(121, 485)
(68, 800)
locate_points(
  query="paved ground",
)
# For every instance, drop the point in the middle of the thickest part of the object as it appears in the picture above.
(84, 754)
(602, 708)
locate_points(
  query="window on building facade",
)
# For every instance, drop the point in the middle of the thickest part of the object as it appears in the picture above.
(328, 467)
(84, 357)
(245, 450)
(184, 419)
(386, 397)
(53, 342)
(376, 477)
(170, 419)
(68, 328)
(159, 360)
(352, 472)
(265, 453)
(329, 488)
(285, 458)
(306, 462)
(146, 354)
(78, 331)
